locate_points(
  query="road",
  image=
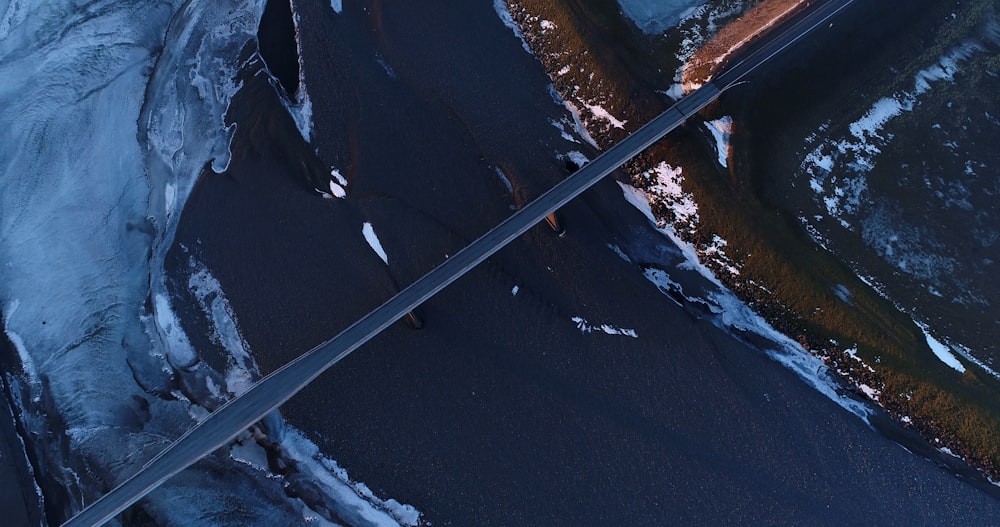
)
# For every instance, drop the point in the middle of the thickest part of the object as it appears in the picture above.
(275, 389)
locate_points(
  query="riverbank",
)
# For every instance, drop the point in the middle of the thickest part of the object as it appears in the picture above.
(713, 55)
(20, 505)
(554, 384)
(764, 256)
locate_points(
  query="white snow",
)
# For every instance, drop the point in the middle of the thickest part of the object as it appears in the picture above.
(732, 313)
(941, 350)
(577, 124)
(668, 189)
(373, 241)
(656, 16)
(110, 115)
(578, 158)
(207, 290)
(501, 8)
(843, 190)
(722, 129)
(602, 114)
(179, 350)
(880, 113)
(353, 501)
(301, 107)
(336, 190)
(586, 327)
(336, 175)
(872, 393)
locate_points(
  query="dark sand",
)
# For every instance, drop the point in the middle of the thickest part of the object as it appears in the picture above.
(500, 411)
(18, 501)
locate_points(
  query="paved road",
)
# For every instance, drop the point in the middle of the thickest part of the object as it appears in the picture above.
(273, 390)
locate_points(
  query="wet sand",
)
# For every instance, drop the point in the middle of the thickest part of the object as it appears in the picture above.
(501, 411)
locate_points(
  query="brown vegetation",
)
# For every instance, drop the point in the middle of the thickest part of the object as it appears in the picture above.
(713, 55)
(785, 276)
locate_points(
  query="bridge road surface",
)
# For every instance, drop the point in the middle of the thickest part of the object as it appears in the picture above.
(275, 389)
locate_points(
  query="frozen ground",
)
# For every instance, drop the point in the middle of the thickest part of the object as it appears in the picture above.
(913, 178)
(655, 16)
(112, 111)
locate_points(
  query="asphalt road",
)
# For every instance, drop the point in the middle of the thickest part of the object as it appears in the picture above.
(278, 387)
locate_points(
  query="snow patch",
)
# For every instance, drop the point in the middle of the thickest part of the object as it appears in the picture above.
(602, 114)
(728, 312)
(243, 369)
(354, 502)
(843, 192)
(721, 130)
(941, 350)
(577, 158)
(301, 110)
(577, 123)
(656, 16)
(501, 8)
(586, 327)
(373, 242)
(337, 186)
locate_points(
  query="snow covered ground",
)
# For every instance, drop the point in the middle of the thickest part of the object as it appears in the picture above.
(910, 177)
(656, 16)
(111, 113)
(731, 314)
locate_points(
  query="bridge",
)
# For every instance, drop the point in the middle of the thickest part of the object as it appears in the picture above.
(270, 392)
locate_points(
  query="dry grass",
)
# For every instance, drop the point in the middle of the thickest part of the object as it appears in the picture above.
(713, 55)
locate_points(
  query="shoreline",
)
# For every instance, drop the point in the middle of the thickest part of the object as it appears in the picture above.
(734, 37)
(504, 410)
(784, 319)
(16, 482)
